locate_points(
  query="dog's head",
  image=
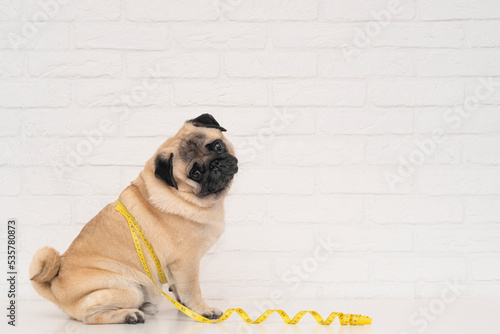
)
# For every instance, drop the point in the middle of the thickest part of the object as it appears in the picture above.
(198, 161)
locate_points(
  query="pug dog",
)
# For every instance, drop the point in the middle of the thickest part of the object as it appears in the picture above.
(178, 202)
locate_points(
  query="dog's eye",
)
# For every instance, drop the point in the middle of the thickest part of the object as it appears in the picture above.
(218, 147)
(195, 174)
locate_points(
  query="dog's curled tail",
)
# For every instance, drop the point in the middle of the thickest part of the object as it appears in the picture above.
(43, 268)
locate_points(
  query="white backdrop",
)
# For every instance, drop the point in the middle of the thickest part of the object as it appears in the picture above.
(368, 134)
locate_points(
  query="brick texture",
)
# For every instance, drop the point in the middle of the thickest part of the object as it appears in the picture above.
(367, 132)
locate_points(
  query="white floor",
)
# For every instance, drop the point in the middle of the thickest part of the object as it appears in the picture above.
(390, 316)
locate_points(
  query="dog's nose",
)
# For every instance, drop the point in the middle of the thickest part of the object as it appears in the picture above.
(214, 164)
(228, 165)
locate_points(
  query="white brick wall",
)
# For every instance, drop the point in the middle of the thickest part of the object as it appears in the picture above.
(369, 126)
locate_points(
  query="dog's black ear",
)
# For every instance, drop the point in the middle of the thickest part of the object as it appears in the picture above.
(207, 121)
(164, 170)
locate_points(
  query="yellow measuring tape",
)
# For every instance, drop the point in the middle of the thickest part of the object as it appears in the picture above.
(135, 230)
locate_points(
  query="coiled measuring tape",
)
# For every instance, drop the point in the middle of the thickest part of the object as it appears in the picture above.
(135, 230)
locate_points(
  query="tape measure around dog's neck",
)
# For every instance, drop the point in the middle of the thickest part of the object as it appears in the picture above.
(135, 230)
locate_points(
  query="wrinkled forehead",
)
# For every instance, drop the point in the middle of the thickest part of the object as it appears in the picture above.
(193, 145)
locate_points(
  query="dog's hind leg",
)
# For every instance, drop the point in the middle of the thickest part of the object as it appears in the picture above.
(113, 306)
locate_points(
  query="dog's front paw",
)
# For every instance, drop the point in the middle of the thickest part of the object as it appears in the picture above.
(213, 313)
